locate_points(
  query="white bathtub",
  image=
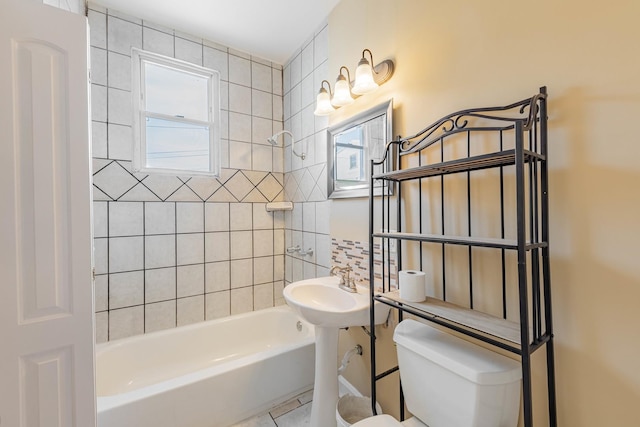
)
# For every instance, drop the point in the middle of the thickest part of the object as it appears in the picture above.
(209, 374)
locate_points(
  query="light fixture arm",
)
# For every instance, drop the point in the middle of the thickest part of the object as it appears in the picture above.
(348, 74)
(370, 55)
(381, 72)
(329, 91)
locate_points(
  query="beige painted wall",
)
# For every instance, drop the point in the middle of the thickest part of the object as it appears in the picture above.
(459, 54)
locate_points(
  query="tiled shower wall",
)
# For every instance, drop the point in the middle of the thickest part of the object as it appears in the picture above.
(173, 250)
(307, 225)
(75, 6)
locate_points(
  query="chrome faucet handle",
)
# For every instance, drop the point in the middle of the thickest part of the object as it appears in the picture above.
(293, 249)
(349, 286)
(348, 270)
(340, 271)
(347, 283)
(336, 271)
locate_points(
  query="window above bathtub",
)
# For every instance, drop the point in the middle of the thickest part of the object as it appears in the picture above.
(176, 116)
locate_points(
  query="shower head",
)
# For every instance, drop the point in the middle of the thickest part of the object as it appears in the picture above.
(273, 139)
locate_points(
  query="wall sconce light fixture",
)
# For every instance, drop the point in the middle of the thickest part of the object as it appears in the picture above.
(367, 80)
(342, 93)
(323, 100)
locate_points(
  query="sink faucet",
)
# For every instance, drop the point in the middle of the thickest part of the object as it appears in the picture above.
(347, 283)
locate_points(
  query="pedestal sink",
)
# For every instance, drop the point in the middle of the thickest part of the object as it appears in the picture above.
(320, 302)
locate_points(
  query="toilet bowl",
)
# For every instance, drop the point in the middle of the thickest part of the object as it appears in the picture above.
(450, 382)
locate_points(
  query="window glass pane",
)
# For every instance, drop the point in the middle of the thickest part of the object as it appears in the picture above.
(176, 145)
(176, 93)
(349, 157)
(350, 165)
(351, 136)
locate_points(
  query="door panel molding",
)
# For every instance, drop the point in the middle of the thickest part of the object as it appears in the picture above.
(42, 179)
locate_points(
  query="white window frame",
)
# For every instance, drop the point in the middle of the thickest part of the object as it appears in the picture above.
(139, 58)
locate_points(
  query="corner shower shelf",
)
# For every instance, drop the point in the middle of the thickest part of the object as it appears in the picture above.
(523, 169)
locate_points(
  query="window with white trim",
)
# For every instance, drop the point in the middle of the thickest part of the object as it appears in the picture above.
(176, 116)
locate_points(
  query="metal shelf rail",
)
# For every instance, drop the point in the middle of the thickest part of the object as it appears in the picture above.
(522, 327)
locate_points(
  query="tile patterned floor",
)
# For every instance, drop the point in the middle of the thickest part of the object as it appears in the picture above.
(293, 413)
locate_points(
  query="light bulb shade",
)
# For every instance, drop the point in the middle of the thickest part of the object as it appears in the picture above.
(342, 93)
(364, 78)
(323, 103)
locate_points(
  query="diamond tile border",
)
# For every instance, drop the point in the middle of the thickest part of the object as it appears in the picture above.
(306, 184)
(113, 180)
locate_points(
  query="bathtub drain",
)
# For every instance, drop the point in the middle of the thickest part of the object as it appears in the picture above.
(299, 326)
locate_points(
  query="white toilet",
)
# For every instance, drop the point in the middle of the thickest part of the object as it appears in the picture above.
(449, 382)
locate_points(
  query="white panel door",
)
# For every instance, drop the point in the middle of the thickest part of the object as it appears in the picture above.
(46, 292)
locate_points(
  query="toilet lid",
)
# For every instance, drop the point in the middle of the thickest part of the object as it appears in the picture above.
(378, 421)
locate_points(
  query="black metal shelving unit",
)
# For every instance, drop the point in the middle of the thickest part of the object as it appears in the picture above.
(511, 140)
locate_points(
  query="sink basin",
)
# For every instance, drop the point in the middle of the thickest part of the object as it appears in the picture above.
(323, 297)
(322, 303)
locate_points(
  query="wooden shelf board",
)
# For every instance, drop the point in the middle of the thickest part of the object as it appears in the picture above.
(460, 240)
(483, 161)
(456, 240)
(472, 319)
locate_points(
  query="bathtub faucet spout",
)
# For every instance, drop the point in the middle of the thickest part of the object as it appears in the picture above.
(347, 283)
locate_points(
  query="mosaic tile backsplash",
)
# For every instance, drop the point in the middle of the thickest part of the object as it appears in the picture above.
(356, 254)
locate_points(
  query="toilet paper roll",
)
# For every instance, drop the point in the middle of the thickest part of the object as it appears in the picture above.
(412, 285)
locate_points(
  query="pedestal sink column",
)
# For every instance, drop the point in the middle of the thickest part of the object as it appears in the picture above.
(322, 303)
(325, 388)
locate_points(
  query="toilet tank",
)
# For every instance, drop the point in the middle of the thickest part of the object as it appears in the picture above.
(449, 382)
